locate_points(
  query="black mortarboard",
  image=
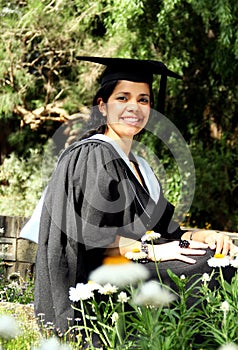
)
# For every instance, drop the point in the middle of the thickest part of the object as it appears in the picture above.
(134, 70)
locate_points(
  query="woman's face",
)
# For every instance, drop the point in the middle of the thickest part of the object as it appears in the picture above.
(127, 109)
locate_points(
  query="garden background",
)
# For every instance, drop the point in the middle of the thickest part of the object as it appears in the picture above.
(44, 89)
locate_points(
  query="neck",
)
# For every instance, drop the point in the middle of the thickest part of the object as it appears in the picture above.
(124, 143)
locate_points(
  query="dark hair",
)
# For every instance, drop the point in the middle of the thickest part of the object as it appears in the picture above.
(97, 123)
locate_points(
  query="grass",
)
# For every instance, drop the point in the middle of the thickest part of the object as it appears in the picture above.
(24, 314)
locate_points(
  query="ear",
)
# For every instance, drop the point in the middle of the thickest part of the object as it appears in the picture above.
(102, 106)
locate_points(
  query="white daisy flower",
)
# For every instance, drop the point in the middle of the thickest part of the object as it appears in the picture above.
(8, 327)
(218, 260)
(93, 285)
(150, 236)
(183, 277)
(122, 297)
(80, 292)
(234, 262)
(233, 251)
(136, 254)
(120, 275)
(225, 306)
(108, 289)
(151, 293)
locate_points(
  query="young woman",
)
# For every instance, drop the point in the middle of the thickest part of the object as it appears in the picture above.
(102, 199)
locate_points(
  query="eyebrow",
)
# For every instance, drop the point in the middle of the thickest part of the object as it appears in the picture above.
(127, 93)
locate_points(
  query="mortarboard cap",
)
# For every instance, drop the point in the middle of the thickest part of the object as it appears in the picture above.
(134, 70)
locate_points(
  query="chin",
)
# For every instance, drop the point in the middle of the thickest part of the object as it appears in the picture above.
(131, 131)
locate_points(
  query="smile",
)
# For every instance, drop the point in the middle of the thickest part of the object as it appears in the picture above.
(131, 119)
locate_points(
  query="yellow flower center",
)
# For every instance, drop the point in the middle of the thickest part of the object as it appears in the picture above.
(136, 250)
(115, 260)
(219, 256)
(149, 232)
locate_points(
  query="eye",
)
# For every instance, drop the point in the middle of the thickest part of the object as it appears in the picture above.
(144, 100)
(121, 98)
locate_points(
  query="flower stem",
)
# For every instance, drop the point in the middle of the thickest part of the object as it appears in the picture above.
(85, 322)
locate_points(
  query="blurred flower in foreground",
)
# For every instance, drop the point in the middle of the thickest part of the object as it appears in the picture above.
(229, 346)
(8, 327)
(151, 293)
(80, 292)
(218, 260)
(120, 272)
(52, 344)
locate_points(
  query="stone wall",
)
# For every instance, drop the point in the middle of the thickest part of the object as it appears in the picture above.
(16, 254)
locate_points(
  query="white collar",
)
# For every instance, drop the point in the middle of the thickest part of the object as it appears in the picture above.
(147, 173)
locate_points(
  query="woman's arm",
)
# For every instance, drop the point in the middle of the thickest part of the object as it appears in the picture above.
(160, 252)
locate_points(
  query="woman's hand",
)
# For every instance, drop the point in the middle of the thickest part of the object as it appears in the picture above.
(218, 241)
(172, 251)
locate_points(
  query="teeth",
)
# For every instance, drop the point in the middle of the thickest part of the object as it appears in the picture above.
(130, 119)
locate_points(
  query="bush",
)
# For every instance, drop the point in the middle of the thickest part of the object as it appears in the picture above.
(20, 184)
(215, 201)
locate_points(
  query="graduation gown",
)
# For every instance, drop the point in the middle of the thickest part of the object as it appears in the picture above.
(92, 196)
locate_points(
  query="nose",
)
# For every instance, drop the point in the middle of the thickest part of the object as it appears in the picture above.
(132, 107)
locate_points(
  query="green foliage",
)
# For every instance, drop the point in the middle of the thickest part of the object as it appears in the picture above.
(215, 202)
(16, 289)
(123, 324)
(217, 323)
(20, 184)
(127, 325)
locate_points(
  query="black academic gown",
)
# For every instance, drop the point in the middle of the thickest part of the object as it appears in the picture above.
(92, 197)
